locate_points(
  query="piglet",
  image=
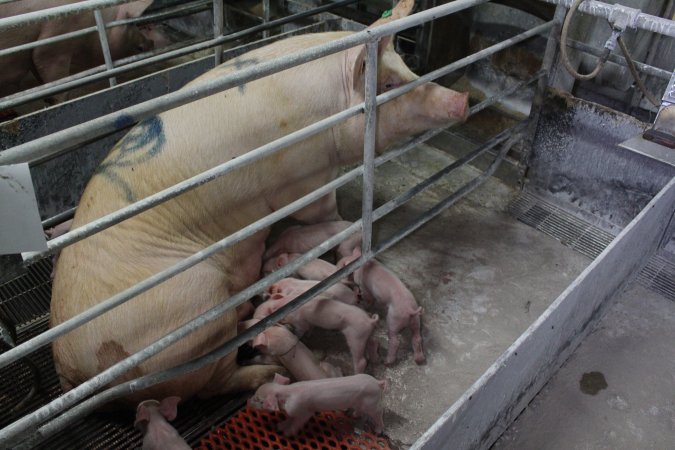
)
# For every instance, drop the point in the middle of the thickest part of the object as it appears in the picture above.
(379, 284)
(152, 419)
(302, 238)
(292, 287)
(280, 343)
(317, 269)
(323, 312)
(301, 400)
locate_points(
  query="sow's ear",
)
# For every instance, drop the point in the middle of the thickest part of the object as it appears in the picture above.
(358, 54)
(402, 9)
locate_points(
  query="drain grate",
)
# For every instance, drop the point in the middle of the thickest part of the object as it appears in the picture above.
(26, 297)
(659, 276)
(571, 231)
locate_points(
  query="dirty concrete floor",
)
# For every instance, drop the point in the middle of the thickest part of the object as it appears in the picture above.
(616, 391)
(481, 276)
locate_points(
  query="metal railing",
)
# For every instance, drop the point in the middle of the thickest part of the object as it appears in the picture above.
(139, 61)
(35, 423)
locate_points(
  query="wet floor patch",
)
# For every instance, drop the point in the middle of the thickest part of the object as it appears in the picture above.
(592, 382)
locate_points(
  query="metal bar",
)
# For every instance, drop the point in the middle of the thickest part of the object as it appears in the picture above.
(32, 344)
(218, 29)
(57, 219)
(604, 10)
(58, 142)
(105, 47)
(56, 87)
(170, 12)
(266, 15)
(124, 213)
(56, 12)
(618, 59)
(370, 134)
(256, 288)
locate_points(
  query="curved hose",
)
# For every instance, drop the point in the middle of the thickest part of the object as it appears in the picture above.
(563, 48)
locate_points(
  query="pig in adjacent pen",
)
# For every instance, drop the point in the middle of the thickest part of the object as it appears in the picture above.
(165, 149)
(54, 61)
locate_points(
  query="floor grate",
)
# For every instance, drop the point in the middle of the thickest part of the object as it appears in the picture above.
(659, 275)
(571, 231)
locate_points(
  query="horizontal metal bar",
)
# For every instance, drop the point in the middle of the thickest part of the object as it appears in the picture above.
(188, 8)
(618, 59)
(149, 380)
(605, 10)
(64, 139)
(80, 233)
(138, 384)
(118, 216)
(124, 65)
(43, 15)
(58, 218)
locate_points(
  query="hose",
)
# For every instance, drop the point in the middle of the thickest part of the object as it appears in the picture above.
(616, 34)
(563, 48)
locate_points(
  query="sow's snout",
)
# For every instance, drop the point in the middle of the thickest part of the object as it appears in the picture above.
(446, 104)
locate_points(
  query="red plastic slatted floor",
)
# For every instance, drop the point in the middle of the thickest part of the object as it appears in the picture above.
(252, 429)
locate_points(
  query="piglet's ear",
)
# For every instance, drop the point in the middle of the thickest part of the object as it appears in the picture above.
(142, 418)
(169, 407)
(280, 379)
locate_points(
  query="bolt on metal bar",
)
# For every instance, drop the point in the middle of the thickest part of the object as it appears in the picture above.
(105, 47)
(256, 288)
(618, 59)
(56, 12)
(370, 134)
(605, 10)
(218, 29)
(124, 213)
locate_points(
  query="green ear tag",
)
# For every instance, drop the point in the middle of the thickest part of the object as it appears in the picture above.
(386, 14)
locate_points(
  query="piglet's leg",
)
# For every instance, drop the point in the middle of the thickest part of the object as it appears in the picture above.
(418, 353)
(394, 342)
(294, 423)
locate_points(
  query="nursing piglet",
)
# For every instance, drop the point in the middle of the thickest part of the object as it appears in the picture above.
(152, 419)
(379, 284)
(292, 287)
(302, 238)
(279, 342)
(316, 269)
(322, 312)
(301, 400)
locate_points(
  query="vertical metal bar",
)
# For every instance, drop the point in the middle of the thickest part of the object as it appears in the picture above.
(266, 16)
(537, 102)
(103, 37)
(218, 28)
(370, 133)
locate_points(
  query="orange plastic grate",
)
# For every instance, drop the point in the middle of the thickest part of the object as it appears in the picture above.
(254, 429)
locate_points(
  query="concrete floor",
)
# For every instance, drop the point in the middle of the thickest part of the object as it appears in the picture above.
(481, 276)
(616, 391)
